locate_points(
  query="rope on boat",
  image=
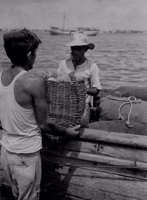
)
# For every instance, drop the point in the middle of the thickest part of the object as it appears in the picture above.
(130, 100)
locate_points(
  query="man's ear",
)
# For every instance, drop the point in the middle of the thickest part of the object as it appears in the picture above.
(29, 54)
(32, 53)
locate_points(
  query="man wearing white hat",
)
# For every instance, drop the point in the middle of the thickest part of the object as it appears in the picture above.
(78, 67)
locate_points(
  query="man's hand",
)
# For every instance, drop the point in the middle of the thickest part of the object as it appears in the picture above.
(73, 131)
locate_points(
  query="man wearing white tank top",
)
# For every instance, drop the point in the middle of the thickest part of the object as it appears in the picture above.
(23, 114)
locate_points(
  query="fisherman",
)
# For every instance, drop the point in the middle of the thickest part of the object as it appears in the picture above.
(79, 67)
(23, 114)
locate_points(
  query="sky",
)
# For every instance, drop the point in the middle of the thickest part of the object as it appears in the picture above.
(102, 14)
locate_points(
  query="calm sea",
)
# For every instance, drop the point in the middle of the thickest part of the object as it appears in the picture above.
(122, 58)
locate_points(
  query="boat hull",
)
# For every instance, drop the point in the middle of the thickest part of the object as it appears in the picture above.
(91, 33)
(99, 165)
(60, 32)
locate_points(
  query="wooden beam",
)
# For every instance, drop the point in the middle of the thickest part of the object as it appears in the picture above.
(97, 159)
(136, 141)
(101, 148)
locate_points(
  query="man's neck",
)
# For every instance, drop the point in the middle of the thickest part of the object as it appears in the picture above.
(13, 71)
(80, 62)
(17, 68)
(25, 67)
(9, 74)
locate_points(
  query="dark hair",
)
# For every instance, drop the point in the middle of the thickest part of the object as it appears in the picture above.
(18, 43)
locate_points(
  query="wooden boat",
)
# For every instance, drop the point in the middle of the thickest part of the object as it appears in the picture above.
(99, 165)
(89, 31)
(58, 31)
(62, 31)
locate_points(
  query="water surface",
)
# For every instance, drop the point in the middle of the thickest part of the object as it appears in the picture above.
(122, 58)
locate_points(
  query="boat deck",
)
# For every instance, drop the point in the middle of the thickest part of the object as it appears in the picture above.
(98, 165)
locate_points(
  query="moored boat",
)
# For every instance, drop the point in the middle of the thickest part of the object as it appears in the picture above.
(99, 165)
(59, 31)
(91, 32)
(54, 30)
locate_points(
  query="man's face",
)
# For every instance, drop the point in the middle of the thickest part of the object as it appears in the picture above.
(78, 52)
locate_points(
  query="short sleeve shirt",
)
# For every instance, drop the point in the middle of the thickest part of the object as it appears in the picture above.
(88, 71)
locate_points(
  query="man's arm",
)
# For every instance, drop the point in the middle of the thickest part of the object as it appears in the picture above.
(95, 81)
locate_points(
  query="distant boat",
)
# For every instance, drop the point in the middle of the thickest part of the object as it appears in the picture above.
(58, 31)
(89, 31)
(62, 31)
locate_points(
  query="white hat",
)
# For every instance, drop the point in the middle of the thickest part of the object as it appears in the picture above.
(79, 39)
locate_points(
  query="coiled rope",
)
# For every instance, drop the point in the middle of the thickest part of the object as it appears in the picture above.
(130, 100)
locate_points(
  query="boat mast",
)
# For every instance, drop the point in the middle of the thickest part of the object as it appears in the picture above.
(63, 22)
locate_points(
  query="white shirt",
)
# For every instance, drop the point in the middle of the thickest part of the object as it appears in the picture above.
(88, 71)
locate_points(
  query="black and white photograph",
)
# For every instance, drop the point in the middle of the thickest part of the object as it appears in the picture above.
(73, 99)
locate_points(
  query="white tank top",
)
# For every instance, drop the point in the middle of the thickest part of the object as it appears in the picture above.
(21, 133)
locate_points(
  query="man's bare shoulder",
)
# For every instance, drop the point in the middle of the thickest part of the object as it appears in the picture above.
(33, 83)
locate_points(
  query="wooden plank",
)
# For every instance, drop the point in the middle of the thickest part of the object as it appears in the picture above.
(113, 150)
(112, 169)
(99, 159)
(100, 193)
(89, 184)
(122, 153)
(94, 173)
(123, 139)
(137, 141)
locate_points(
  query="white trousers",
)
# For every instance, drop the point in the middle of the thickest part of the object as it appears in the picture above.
(23, 172)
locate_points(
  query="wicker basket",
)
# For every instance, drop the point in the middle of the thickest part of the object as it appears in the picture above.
(66, 101)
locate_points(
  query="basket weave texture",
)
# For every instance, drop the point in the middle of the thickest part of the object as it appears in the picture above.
(66, 101)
